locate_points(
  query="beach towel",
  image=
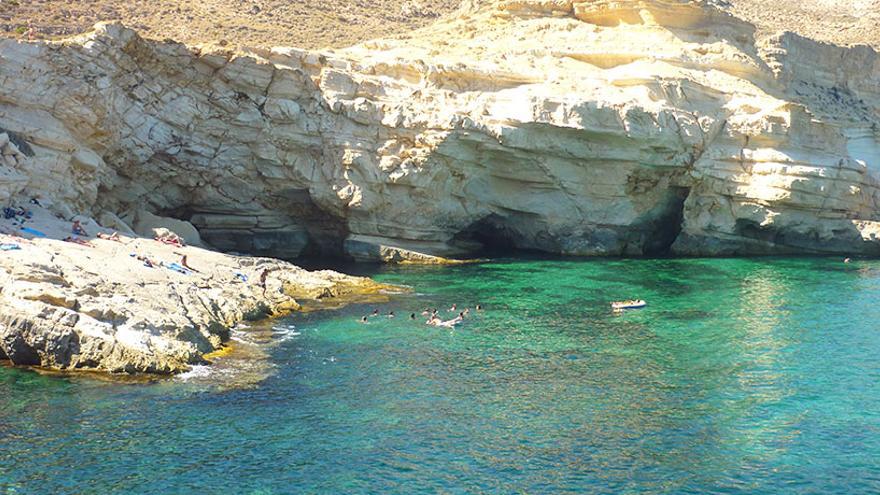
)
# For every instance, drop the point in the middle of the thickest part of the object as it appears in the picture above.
(177, 268)
(33, 231)
(9, 247)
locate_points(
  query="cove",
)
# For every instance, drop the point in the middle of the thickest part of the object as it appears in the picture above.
(754, 376)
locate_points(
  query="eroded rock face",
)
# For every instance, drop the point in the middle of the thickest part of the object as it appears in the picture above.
(588, 128)
(100, 307)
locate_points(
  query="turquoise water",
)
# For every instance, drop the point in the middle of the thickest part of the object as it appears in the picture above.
(741, 376)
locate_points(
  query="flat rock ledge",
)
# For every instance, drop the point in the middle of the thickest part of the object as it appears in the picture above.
(70, 306)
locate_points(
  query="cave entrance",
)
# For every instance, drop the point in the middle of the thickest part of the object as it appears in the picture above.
(291, 227)
(664, 224)
(489, 236)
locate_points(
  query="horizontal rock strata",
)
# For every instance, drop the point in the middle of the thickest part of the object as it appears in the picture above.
(633, 127)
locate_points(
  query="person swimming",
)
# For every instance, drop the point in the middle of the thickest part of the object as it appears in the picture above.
(412, 316)
(363, 319)
(391, 314)
(426, 312)
(451, 323)
(479, 307)
(375, 312)
(452, 308)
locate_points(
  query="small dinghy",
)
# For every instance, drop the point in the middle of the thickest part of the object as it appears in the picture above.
(636, 304)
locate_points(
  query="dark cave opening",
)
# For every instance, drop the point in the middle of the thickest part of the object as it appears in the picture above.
(306, 231)
(319, 236)
(664, 224)
(489, 236)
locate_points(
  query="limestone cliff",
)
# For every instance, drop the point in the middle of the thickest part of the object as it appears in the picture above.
(631, 127)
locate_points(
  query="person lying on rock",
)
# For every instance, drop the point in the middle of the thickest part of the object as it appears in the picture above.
(109, 237)
(78, 229)
(170, 238)
(147, 261)
(77, 240)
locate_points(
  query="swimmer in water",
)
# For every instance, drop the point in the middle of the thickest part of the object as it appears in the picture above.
(412, 316)
(391, 314)
(375, 312)
(363, 319)
(426, 312)
(479, 307)
(450, 323)
(452, 308)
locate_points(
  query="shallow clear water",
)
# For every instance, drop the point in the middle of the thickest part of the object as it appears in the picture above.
(741, 376)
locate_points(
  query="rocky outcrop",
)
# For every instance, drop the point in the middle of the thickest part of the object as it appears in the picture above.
(130, 304)
(633, 127)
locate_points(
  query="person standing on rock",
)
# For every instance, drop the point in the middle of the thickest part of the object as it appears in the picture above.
(31, 32)
(263, 277)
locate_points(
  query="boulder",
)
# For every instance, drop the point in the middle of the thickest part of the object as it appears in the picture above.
(146, 224)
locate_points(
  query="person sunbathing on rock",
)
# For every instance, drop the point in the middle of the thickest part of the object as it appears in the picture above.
(77, 240)
(109, 237)
(147, 262)
(170, 238)
(78, 229)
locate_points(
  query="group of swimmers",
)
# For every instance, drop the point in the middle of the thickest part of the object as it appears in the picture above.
(433, 315)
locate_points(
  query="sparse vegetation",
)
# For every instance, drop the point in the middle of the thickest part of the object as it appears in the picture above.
(318, 23)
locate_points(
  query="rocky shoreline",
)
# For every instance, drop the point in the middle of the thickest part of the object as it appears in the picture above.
(626, 128)
(127, 305)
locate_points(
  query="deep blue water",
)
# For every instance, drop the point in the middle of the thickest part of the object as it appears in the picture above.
(751, 376)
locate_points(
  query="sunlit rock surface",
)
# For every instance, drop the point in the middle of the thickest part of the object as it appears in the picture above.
(586, 128)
